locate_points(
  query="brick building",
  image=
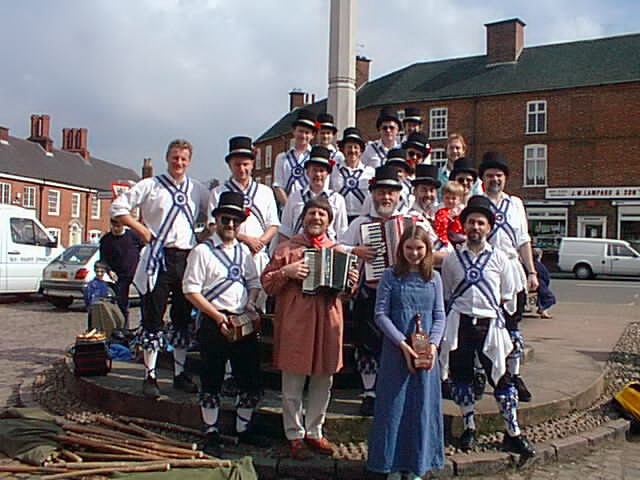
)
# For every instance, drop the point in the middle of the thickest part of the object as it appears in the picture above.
(567, 116)
(69, 189)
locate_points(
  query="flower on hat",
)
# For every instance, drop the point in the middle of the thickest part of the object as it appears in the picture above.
(372, 180)
(317, 125)
(247, 211)
(332, 163)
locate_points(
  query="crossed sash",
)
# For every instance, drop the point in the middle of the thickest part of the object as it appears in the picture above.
(380, 151)
(501, 222)
(351, 181)
(297, 174)
(249, 199)
(233, 266)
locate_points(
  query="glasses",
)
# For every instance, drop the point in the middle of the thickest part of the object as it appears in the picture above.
(413, 153)
(225, 220)
(465, 180)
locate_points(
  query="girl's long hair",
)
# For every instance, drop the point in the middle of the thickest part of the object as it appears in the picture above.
(402, 267)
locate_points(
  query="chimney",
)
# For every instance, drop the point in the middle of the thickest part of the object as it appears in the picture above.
(40, 132)
(75, 140)
(147, 168)
(505, 41)
(362, 70)
(4, 135)
(297, 98)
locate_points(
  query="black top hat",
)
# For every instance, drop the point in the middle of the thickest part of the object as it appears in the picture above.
(306, 118)
(352, 134)
(386, 177)
(320, 156)
(412, 114)
(240, 147)
(387, 114)
(326, 121)
(231, 203)
(426, 174)
(463, 165)
(478, 204)
(419, 141)
(494, 160)
(397, 157)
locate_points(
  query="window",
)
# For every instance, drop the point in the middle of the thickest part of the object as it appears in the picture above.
(53, 202)
(438, 123)
(439, 157)
(29, 197)
(55, 234)
(26, 231)
(258, 158)
(95, 207)
(258, 179)
(75, 234)
(79, 255)
(537, 117)
(75, 205)
(5, 193)
(94, 236)
(535, 165)
(267, 180)
(619, 251)
(268, 150)
(547, 226)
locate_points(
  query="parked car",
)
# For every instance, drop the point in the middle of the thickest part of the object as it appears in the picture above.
(65, 278)
(587, 257)
(25, 249)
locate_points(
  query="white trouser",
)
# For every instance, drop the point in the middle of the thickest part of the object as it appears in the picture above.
(319, 394)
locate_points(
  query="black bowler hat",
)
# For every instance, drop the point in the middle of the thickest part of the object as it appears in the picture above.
(426, 174)
(419, 141)
(352, 134)
(463, 165)
(386, 177)
(240, 147)
(320, 156)
(478, 204)
(231, 203)
(326, 121)
(412, 114)
(494, 160)
(387, 114)
(397, 157)
(306, 118)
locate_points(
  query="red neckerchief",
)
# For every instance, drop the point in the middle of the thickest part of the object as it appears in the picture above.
(317, 241)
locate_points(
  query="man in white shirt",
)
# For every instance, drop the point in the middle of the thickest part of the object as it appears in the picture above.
(170, 206)
(326, 136)
(511, 235)
(222, 282)
(425, 191)
(289, 173)
(388, 125)
(317, 168)
(476, 282)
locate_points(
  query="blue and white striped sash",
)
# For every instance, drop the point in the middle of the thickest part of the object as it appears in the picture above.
(502, 223)
(249, 199)
(351, 183)
(297, 174)
(233, 266)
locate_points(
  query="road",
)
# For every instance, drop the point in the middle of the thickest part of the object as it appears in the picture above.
(600, 291)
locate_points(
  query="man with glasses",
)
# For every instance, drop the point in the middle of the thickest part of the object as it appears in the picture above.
(465, 173)
(388, 125)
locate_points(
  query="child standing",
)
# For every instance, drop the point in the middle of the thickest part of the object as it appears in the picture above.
(407, 433)
(447, 222)
(96, 289)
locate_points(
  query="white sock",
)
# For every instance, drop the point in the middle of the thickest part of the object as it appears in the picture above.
(210, 418)
(227, 370)
(513, 366)
(150, 358)
(243, 418)
(369, 383)
(179, 359)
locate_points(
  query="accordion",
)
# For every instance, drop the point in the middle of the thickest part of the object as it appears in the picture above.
(384, 236)
(328, 269)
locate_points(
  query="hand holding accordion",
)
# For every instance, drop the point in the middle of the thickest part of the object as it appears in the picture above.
(328, 269)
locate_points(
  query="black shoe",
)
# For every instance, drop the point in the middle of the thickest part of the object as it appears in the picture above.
(229, 387)
(447, 387)
(519, 445)
(184, 383)
(150, 388)
(468, 440)
(212, 443)
(367, 406)
(249, 438)
(524, 395)
(479, 384)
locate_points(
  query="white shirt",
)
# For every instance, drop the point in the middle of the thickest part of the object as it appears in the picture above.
(285, 164)
(292, 213)
(430, 215)
(352, 184)
(336, 155)
(375, 154)
(205, 271)
(496, 275)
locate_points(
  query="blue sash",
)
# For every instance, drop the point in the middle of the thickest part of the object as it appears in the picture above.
(297, 174)
(351, 183)
(474, 278)
(180, 196)
(249, 199)
(380, 151)
(234, 270)
(501, 222)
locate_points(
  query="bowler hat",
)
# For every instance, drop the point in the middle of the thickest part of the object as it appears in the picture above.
(412, 114)
(426, 174)
(419, 141)
(352, 134)
(306, 118)
(398, 157)
(326, 121)
(386, 177)
(387, 114)
(478, 204)
(320, 156)
(463, 165)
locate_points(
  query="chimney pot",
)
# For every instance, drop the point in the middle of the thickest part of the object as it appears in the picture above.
(363, 65)
(296, 99)
(75, 140)
(505, 41)
(40, 131)
(147, 168)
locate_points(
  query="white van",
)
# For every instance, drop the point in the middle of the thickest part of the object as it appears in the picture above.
(25, 249)
(587, 257)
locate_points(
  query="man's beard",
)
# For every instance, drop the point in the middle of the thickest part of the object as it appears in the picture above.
(384, 211)
(425, 204)
(475, 240)
(494, 188)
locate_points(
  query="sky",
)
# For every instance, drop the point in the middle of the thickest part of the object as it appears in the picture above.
(140, 73)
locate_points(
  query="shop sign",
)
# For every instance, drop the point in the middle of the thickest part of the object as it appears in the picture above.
(592, 192)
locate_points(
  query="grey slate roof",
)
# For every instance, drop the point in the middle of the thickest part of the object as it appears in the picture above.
(549, 67)
(29, 159)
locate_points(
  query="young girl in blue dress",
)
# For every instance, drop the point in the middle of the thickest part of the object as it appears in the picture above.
(407, 434)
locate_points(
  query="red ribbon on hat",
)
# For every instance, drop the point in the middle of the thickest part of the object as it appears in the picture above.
(372, 180)
(317, 125)
(247, 211)
(332, 163)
